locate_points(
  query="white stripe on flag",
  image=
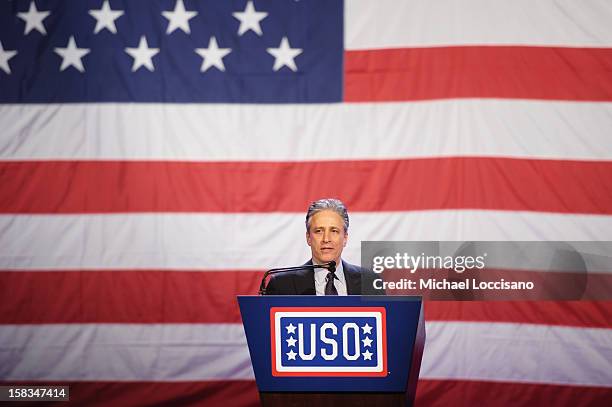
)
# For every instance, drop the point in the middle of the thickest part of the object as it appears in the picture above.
(151, 352)
(447, 128)
(422, 23)
(518, 353)
(174, 352)
(253, 241)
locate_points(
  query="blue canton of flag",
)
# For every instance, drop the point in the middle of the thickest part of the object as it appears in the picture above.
(328, 341)
(275, 51)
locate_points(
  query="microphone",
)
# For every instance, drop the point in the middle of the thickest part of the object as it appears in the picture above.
(331, 266)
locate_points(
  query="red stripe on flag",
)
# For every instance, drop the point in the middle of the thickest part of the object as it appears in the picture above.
(480, 284)
(244, 393)
(588, 314)
(477, 393)
(235, 393)
(123, 296)
(210, 297)
(521, 72)
(383, 185)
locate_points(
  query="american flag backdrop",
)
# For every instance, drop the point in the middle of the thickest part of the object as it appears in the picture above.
(157, 155)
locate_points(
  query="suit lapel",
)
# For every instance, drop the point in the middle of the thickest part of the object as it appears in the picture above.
(304, 282)
(352, 278)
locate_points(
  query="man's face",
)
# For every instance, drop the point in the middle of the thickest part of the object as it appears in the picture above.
(326, 236)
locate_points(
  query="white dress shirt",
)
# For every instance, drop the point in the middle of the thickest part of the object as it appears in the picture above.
(339, 283)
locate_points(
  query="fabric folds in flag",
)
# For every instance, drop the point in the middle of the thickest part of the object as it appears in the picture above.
(157, 156)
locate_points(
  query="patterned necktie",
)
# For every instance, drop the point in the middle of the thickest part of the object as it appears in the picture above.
(330, 288)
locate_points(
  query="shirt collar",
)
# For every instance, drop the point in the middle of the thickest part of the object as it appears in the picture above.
(321, 273)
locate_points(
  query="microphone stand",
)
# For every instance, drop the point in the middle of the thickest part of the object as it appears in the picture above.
(331, 266)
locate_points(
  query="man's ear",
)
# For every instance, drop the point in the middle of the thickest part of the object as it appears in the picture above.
(345, 239)
(308, 240)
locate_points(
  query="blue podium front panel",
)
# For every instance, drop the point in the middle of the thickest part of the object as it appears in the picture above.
(349, 344)
(328, 341)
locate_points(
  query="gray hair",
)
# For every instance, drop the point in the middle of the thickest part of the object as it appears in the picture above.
(331, 204)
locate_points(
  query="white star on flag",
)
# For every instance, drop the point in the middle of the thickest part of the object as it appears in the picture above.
(105, 18)
(284, 55)
(179, 18)
(291, 342)
(291, 355)
(142, 55)
(5, 55)
(291, 329)
(250, 19)
(71, 55)
(367, 329)
(367, 355)
(367, 342)
(213, 55)
(34, 19)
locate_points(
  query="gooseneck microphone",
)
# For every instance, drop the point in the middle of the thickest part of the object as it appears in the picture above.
(331, 266)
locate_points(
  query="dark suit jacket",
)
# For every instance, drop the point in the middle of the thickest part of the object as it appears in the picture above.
(302, 282)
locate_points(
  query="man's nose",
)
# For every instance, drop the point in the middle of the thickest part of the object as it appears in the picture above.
(326, 236)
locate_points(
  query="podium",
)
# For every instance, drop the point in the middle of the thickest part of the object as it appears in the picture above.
(334, 350)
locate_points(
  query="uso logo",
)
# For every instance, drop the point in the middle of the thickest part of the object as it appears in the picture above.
(328, 341)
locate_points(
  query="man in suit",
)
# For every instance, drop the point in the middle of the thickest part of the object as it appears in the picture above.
(327, 225)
